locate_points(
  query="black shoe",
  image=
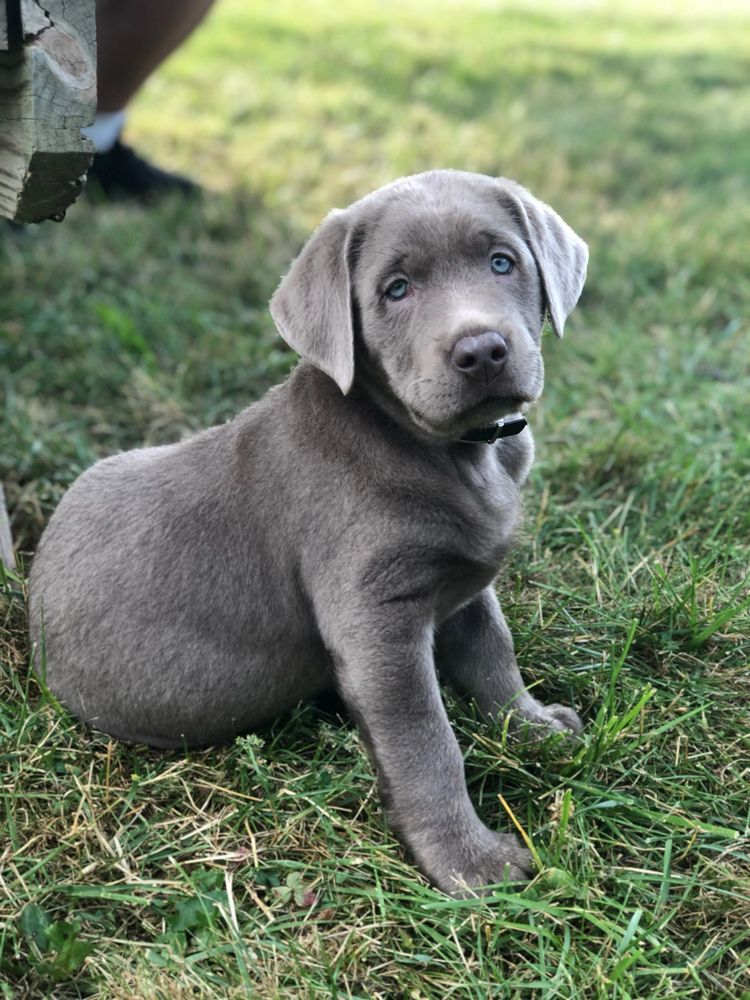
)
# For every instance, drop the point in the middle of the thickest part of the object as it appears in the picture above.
(121, 174)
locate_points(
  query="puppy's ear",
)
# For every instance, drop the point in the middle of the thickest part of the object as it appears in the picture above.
(561, 256)
(312, 307)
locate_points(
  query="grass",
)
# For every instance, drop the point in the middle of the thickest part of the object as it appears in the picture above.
(265, 869)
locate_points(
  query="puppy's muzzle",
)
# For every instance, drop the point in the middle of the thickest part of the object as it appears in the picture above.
(481, 357)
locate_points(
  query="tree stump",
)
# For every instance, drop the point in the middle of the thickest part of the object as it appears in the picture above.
(47, 94)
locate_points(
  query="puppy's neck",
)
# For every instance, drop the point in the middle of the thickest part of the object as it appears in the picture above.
(371, 385)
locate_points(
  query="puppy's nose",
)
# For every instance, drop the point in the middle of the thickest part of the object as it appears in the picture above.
(482, 356)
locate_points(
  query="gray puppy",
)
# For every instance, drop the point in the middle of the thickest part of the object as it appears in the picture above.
(339, 532)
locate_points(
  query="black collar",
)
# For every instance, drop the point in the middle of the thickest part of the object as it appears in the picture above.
(505, 428)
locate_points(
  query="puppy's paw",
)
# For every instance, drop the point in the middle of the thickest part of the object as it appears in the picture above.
(536, 723)
(486, 858)
(563, 718)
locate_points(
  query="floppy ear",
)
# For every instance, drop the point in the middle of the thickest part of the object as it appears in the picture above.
(561, 256)
(312, 307)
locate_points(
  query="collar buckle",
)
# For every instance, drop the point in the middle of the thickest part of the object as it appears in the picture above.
(488, 435)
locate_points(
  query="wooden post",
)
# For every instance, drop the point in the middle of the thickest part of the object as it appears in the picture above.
(47, 94)
(6, 542)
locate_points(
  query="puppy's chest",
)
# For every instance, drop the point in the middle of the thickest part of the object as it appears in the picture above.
(478, 537)
(491, 508)
(482, 540)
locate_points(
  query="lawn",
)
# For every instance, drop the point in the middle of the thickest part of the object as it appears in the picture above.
(265, 869)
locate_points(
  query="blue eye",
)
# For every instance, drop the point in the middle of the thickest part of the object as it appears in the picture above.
(397, 290)
(501, 264)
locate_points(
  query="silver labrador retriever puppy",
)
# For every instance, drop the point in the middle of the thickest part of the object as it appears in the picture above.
(345, 530)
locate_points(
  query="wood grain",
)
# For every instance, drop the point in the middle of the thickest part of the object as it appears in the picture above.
(47, 94)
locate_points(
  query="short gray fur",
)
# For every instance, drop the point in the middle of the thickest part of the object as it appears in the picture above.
(335, 532)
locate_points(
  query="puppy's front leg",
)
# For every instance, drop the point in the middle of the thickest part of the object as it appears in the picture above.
(475, 655)
(387, 677)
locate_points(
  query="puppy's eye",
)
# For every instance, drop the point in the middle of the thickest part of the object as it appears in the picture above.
(397, 290)
(501, 264)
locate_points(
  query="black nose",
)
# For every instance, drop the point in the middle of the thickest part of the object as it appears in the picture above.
(482, 356)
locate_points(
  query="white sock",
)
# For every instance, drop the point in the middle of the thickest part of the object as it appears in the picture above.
(106, 129)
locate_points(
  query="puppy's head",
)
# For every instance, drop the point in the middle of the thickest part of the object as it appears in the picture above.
(433, 291)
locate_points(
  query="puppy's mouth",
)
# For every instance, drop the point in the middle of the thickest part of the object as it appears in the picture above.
(487, 411)
(496, 407)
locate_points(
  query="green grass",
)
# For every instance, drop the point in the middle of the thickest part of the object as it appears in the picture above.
(265, 869)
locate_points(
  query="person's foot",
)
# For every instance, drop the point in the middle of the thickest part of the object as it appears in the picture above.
(121, 174)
